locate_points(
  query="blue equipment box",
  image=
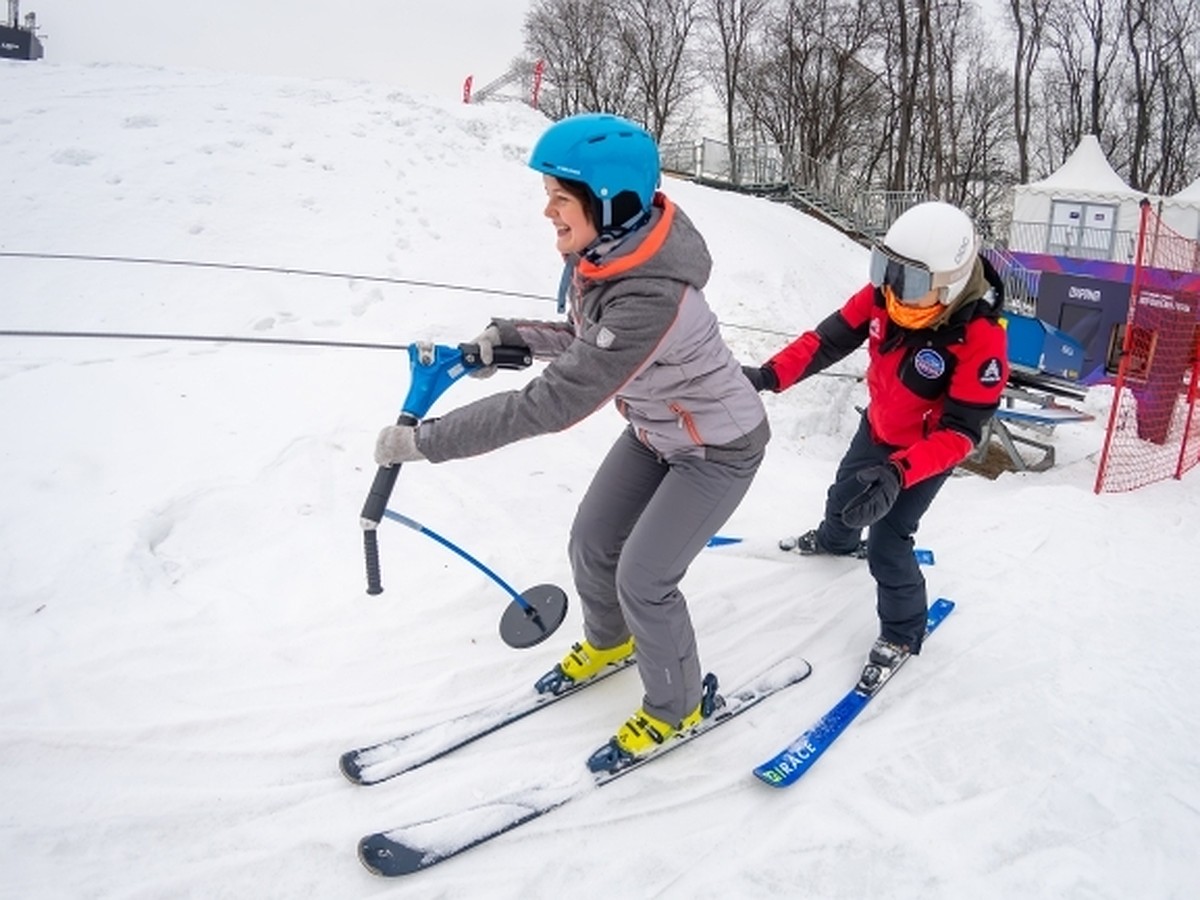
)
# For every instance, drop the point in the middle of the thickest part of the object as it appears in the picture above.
(1037, 345)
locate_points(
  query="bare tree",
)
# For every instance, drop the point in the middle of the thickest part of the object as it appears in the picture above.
(903, 95)
(1159, 90)
(732, 23)
(656, 37)
(1140, 37)
(807, 88)
(1179, 134)
(579, 43)
(1028, 19)
(1079, 78)
(909, 49)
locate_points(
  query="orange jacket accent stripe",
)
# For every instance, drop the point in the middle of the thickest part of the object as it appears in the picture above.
(650, 246)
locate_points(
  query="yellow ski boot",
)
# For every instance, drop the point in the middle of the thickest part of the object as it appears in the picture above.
(583, 663)
(642, 733)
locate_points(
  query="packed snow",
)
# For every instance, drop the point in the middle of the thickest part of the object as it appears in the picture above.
(187, 646)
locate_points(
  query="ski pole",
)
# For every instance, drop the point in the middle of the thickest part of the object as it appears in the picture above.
(434, 367)
(532, 616)
(453, 547)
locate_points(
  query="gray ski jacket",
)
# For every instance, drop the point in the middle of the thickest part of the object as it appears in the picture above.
(639, 333)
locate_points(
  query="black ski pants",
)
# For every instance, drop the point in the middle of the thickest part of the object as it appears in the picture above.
(901, 600)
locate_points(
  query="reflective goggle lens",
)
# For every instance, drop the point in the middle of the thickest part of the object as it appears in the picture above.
(908, 280)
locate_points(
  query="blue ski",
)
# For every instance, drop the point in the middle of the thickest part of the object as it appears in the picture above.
(786, 766)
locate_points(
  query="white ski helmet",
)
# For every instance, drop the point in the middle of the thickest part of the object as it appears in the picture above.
(939, 237)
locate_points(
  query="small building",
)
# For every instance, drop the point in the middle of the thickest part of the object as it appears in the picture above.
(19, 41)
(1083, 209)
(1182, 211)
(1077, 229)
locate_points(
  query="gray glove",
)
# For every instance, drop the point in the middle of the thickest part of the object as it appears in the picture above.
(397, 444)
(486, 341)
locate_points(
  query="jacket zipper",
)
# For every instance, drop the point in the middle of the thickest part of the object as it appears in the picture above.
(686, 421)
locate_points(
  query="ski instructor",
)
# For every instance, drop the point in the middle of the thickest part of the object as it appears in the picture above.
(937, 365)
(638, 333)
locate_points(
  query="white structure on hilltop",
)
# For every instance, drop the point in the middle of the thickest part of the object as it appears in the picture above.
(1083, 209)
(1182, 211)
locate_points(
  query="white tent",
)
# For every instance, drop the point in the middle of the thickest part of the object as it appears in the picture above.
(1182, 211)
(1083, 209)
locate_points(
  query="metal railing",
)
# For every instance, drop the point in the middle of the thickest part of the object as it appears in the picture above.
(1074, 241)
(817, 185)
(1020, 284)
(820, 187)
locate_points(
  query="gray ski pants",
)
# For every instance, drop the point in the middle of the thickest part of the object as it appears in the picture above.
(638, 528)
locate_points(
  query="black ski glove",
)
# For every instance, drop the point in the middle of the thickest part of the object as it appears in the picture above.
(763, 379)
(882, 487)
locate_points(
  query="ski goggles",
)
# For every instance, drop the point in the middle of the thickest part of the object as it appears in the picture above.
(908, 279)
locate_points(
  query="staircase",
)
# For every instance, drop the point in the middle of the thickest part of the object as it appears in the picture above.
(519, 72)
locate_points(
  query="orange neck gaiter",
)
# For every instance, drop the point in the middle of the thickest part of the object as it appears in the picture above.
(914, 318)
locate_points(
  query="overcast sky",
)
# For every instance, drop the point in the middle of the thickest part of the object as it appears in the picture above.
(430, 46)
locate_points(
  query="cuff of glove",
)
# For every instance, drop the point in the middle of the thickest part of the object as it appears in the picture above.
(770, 379)
(397, 444)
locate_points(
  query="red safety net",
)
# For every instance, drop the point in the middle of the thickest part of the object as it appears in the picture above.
(1153, 428)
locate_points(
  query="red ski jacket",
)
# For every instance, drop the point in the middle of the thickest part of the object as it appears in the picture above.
(932, 390)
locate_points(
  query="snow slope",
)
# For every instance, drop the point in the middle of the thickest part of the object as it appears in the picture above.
(185, 642)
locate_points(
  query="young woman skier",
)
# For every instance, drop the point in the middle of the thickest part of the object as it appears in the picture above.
(640, 334)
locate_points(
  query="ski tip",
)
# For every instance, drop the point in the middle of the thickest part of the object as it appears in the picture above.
(349, 766)
(924, 556)
(719, 540)
(384, 857)
(938, 610)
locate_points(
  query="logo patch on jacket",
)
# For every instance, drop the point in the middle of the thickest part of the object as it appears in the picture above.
(929, 363)
(989, 372)
(604, 338)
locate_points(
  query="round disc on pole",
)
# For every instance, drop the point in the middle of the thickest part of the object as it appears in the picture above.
(522, 627)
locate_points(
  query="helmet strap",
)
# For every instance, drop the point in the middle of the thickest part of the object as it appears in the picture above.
(564, 284)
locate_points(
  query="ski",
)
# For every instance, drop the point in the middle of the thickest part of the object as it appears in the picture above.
(788, 765)
(387, 759)
(923, 555)
(420, 845)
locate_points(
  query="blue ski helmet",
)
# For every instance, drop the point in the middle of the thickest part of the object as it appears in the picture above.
(611, 155)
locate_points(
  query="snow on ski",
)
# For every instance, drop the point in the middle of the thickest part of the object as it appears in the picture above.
(417, 846)
(787, 766)
(387, 759)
